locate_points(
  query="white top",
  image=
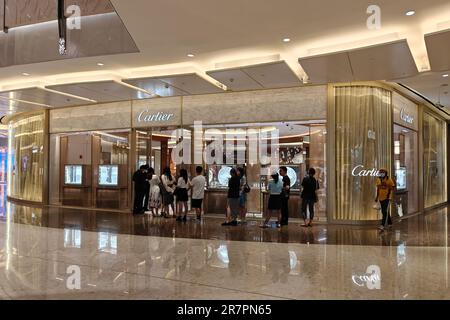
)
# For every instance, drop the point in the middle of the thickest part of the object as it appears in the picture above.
(154, 181)
(168, 184)
(182, 184)
(198, 187)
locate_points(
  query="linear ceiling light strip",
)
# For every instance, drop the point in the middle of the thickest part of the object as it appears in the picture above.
(68, 95)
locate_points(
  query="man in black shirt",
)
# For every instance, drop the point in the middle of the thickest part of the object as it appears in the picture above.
(285, 196)
(309, 196)
(140, 187)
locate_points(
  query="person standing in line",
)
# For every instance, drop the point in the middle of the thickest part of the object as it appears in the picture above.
(385, 188)
(140, 180)
(155, 193)
(275, 187)
(285, 196)
(234, 184)
(147, 187)
(182, 195)
(309, 197)
(198, 184)
(168, 183)
(243, 190)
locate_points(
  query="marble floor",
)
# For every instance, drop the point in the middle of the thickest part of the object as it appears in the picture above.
(71, 254)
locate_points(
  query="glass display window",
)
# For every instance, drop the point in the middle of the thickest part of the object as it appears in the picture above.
(405, 171)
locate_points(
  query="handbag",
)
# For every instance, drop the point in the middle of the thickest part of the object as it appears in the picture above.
(377, 206)
(246, 188)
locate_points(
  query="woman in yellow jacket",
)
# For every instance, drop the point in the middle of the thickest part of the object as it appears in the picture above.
(385, 190)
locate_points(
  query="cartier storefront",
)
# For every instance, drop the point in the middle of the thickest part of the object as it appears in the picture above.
(85, 156)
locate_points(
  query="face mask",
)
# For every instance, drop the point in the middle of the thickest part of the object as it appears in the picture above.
(382, 175)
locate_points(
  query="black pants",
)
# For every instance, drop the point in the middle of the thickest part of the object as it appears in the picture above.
(146, 197)
(310, 204)
(139, 195)
(385, 211)
(284, 209)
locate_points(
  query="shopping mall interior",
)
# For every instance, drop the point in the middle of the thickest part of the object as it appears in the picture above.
(104, 102)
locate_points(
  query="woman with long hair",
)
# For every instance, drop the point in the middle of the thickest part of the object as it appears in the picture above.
(182, 195)
(275, 187)
(168, 183)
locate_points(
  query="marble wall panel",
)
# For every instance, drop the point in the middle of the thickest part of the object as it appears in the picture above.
(115, 115)
(302, 103)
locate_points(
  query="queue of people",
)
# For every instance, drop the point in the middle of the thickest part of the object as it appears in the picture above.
(153, 193)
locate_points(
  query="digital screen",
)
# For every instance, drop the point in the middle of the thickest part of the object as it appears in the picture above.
(108, 175)
(73, 175)
(401, 178)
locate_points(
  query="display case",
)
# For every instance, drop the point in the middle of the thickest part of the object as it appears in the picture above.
(111, 190)
(76, 185)
(108, 175)
(218, 176)
(73, 175)
(400, 175)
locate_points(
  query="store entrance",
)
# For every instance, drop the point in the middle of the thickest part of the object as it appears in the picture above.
(405, 169)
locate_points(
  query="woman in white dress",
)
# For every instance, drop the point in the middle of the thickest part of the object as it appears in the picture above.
(155, 193)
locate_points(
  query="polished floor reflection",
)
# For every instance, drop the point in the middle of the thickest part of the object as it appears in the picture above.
(422, 230)
(70, 263)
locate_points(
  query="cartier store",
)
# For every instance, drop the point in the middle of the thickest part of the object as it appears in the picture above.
(85, 156)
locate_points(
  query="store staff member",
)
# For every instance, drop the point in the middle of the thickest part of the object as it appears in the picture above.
(285, 196)
(140, 188)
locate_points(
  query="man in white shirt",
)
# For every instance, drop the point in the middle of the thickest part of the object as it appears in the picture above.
(198, 184)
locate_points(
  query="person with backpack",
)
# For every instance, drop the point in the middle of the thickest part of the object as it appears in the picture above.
(385, 190)
(309, 197)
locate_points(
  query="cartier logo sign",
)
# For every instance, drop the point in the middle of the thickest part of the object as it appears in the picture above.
(146, 116)
(406, 117)
(360, 171)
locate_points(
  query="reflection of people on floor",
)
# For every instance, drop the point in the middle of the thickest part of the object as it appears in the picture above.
(278, 263)
(237, 257)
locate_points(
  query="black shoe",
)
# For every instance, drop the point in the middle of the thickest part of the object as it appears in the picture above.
(184, 218)
(178, 218)
(226, 223)
(233, 223)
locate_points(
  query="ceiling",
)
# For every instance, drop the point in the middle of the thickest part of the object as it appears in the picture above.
(237, 45)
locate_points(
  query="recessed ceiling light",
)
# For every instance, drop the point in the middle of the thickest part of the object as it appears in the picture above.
(410, 13)
(100, 64)
(190, 55)
(445, 75)
(25, 74)
(286, 40)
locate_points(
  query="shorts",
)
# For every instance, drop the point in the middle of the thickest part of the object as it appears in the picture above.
(242, 200)
(196, 203)
(274, 202)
